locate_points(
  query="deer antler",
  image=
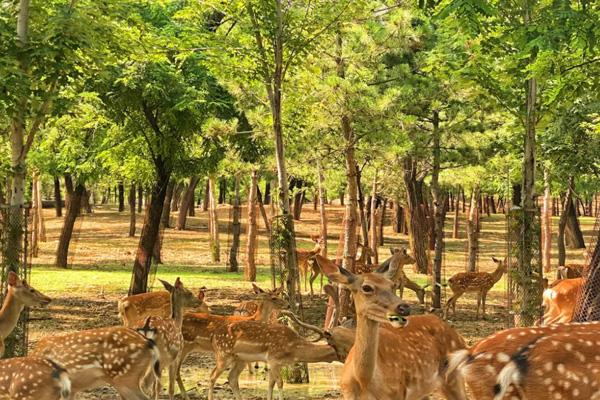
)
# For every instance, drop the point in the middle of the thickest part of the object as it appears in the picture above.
(322, 334)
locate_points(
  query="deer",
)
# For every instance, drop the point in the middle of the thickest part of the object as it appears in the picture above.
(34, 378)
(198, 328)
(405, 362)
(135, 309)
(167, 333)
(306, 259)
(18, 296)
(563, 365)
(278, 345)
(479, 282)
(118, 356)
(481, 364)
(559, 300)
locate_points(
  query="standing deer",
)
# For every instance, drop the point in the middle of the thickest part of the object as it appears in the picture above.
(166, 332)
(277, 345)
(479, 282)
(306, 260)
(33, 378)
(482, 363)
(18, 296)
(134, 310)
(405, 363)
(117, 356)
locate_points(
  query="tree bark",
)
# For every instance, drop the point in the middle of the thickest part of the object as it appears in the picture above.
(166, 211)
(177, 196)
(206, 195)
(140, 198)
(547, 224)
(456, 222)
(397, 226)
(263, 212)
(66, 233)
(150, 230)
(121, 188)
(187, 202)
(250, 269)
(573, 235)
(381, 222)
(132, 204)
(213, 219)
(298, 199)
(86, 202)
(472, 232)
(40, 214)
(236, 227)
(57, 197)
(374, 218)
(267, 199)
(361, 211)
(68, 190)
(322, 211)
(35, 231)
(417, 219)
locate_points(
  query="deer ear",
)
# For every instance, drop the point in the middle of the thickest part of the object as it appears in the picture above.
(167, 285)
(495, 260)
(338, 274)
(201, 294)
(178, 284)
(256, 289)
(13, 279)
(404, 251)
(384, 266)
(279, 290)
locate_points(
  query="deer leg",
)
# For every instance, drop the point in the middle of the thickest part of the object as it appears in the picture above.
(313, 276)
(450, 303)
(172, 378)
(483, 296)
(131, 393)
(275, 378)
(220, 367)
(178, 363)
(234, 378)
(454, 387)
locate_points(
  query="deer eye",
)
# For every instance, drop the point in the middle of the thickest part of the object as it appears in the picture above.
(367, 289)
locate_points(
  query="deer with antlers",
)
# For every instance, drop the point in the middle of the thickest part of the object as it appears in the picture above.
(248, 341)
(478, 282)
(198, 328)
(18, 296)
(404, 363)
(117, 356)
(483, 363)
(33, 378)
(135, 309)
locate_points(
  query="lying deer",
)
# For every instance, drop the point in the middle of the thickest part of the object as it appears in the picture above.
(33, 378)
(559, 300)
(18, 296)
(482, 363)
(117, 356)
(277, 345)
(134, 310)
(405, 363)
(166, 332)
(198, 328)
(479, 282)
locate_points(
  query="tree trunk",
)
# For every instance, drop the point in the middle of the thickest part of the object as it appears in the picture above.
(206, 200)
(222, 191)
(298, 199)
(417, 219)
(192, 206)
(236, 227)
(456, 222)
(177, 196)
(398, 217)
(131, 199)
(493, 205)
(342, 195)
(250, 269)
(547, 224)
(62, 252)
(213, 219)
(374, 218)
(68, 190)
(150, 231)
(187, 202)
(86, 201)
(362, 214)
(322, 211)
(263, 212)
(472, 232)
(267, 199)
(381, 223)
(166, 211)
(121, 197)
(40, 214)
(573, 235)
(562, 224)
(140, 198)
(35, 230)
(57, 197)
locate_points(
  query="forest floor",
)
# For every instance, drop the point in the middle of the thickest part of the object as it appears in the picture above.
(85, 295)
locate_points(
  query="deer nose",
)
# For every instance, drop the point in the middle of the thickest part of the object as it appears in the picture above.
(403, 309)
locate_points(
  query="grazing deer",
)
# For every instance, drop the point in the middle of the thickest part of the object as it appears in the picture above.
(33, 378)
(481, 364)
(117, 356)
(479, 282)
(166, 332)
(18, 296)
(278, 345)
(404, 363)
(306, 260)
(134, 310)
(560, 299)
(198, 328)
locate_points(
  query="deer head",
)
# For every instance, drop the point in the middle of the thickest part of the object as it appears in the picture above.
(182, 295)
(374, 298)
(501, 265)
(24, 293)
(269, 296)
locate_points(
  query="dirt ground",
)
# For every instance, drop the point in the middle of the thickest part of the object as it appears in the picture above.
(85, 295)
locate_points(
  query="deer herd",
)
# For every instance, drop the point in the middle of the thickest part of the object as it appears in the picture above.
(387, 353)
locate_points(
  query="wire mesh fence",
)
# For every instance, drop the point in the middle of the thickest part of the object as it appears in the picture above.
(588, 300)
(15, 256)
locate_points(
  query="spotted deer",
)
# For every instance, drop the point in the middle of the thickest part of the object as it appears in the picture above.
(167, 333)
(482, 363)
(306, 260)
(33, 378)
(117, 356)
(18, 296)
(405, 362)
(559, 300)
(198, 328)
(479, 282)
(134, 310)
(278, 345)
